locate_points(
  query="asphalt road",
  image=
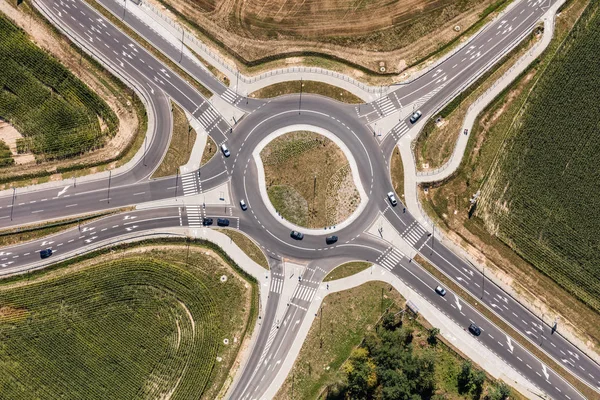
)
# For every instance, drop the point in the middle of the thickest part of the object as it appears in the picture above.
(349, 124)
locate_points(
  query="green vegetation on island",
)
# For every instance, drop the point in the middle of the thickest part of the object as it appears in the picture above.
(160, 323)
(309, 181)
(57, 114)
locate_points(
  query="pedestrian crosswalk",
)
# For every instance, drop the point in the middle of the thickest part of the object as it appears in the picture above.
(190, 183)
(194, 215)
(208, 117)
(304, 292)
(276, 285)
(385, 106)
(399, 130)
(230, 96)
(414, 233)
(389, 258)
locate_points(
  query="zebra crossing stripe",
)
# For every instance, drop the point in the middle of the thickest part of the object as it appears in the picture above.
(229, 96)
(385, 105)
(276, 285)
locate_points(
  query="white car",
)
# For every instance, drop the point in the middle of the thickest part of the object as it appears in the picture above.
(225, 150)
(392, 198)
(415, 117)
(440, 290)
(243, 205)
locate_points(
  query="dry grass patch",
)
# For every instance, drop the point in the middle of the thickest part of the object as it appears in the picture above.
(248, 246)
(308, 179)
(209, 150)
(180, 147)
(347, 269)
(324, 89)
(397, 173)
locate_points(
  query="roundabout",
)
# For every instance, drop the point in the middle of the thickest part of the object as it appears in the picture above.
(376, 231)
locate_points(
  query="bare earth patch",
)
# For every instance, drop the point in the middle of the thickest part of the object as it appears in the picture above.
(9, 135)
(367, 33)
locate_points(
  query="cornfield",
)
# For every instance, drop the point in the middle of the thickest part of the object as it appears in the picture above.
(542, 198)
(127, 329)
(58, 115)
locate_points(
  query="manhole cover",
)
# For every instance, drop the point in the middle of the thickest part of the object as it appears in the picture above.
(223, 278)
(225, 341)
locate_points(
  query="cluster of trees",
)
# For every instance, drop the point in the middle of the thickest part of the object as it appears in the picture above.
(385, 367)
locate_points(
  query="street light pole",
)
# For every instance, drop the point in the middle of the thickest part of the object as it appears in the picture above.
(12, 207)
(176, 183)
(300, 102)
(109, 176)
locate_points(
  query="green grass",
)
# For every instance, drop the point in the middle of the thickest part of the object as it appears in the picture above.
(248, 246)
(541, 197)
(347, 269)
(58, 115)
(324, 89)
(180, 147)
(122, 328)
(397, 173)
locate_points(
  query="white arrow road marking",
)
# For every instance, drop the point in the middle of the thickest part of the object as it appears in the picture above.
(133, 227)
(164, 71)
(45, 243)
(510, 346)
(90, 239)
(546, 374)
(458, 303)
(567, 362)
(151, 89)
(130, 217)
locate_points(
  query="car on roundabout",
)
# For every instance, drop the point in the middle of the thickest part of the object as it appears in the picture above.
(297, 235)
(243, 205)
(331, 239)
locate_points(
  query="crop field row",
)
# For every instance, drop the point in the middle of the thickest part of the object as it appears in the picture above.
(5, 155)
(131, 328)
(58, 115)
(542, 197)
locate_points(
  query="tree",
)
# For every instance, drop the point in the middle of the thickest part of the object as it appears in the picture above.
(500, 392)
(432, 335)
(361, 374)
(389, 321)
(464, 377)
(477, 381)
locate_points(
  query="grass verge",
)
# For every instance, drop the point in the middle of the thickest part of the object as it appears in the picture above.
(347, 269)
(321, 88)
(209, 150)
(397, 173)
(584, 389)
(148, 321)
(180, 147)
(36, 231)
(248, 246)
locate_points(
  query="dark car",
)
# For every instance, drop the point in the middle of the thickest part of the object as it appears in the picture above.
(222, 222)
(45, 253)
(207, 221)
(415, 117)
(297, 235)
(331, 239)
(475, 330)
